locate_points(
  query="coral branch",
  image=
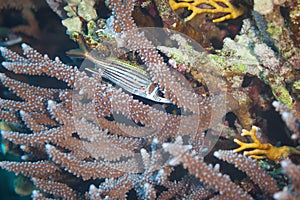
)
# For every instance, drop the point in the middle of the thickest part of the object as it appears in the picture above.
(293, 191)
(31, 169)
(251, 168)
(56, 188)
(230, 11)
(207, 174)
(267, 150)
(84, 169)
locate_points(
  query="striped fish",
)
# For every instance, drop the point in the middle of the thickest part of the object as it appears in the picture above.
(130, 77)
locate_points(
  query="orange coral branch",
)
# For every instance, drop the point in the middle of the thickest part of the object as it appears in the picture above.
(231, 11)
(262, 150)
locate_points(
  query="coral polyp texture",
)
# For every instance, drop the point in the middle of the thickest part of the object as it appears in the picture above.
(149, 113)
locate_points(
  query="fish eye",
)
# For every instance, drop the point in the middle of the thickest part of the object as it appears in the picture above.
(4, 38)
(160, 94)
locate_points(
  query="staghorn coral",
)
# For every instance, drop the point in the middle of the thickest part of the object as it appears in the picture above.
(50, 115)
(292, 191)
(255, 172)
(211, 175)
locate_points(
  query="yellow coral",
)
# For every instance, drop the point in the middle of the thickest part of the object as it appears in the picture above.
(260, 150)
(215, 5)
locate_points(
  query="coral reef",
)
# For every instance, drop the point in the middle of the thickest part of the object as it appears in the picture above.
(149, 113)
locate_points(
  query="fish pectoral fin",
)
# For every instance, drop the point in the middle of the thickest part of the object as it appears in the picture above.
(154, 97)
